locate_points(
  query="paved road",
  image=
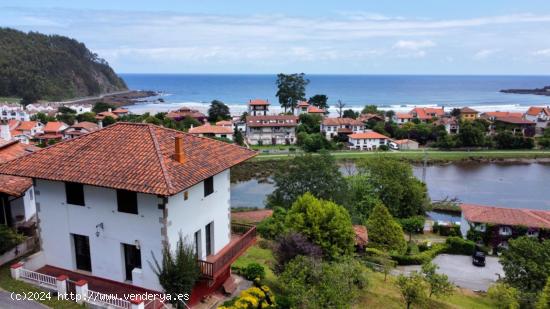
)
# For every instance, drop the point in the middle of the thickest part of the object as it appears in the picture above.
(462, 273)
(7, 303)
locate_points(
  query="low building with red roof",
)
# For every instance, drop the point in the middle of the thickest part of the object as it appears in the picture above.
(427, 113)
(304, 107)
(369, 140)
(405, 144)
(80, 128)
(112, 199)
(185, 112)
(451, 124)
(271, 129)
(332, 127)
(53, 131)
(514, 124)
(491, 116)
(208, 130)
(540, 116)
(402, 118)
(468, 114)
(501, 224)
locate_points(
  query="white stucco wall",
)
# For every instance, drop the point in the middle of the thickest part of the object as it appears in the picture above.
(59, 220)
(368, 143)
(25, 205)
(193, 214)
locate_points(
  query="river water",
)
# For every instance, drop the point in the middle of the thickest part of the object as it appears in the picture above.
(498, 184)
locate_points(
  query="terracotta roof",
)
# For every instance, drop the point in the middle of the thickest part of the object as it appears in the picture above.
(514, 120)
(344, 130)
(26, 125)
(404, 141)
(186, 112)
(403, 115)
(315, 110)
(303, 104)
(468, 110)
(131, 156)
(258, 102)
(371, 135)
(506, 216)
(12, 123)
(54, 126)
(535, 110)
(13, 185)
(272, 121)
(446, 120)
(102, 115)
(120, 111)
(331, 121)
(210, 129)
(369, 116)
(90, 126)
(14, 149)
(424, 112)
(501, 114)
(225, 123)
(361, 235)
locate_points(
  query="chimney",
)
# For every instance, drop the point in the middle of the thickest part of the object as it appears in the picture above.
(5, 130)
(110, 110)
(100, 124)
(179, 155)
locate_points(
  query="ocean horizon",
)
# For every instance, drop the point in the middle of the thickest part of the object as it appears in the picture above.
(395, 92)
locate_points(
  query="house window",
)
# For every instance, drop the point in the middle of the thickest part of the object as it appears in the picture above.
(185, 195)
(533, 233)
(127, 201)
(208, 186)
(480, 228)
(505, 230)
(74, 193)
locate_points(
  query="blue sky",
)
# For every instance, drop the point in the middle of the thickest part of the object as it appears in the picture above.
(342, 37)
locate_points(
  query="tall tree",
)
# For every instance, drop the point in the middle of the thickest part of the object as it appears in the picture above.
(544, 298)
(439, 284)
(413, 289)
(291, 89)
(218, 111)
(350, 113)
(384, 232)
(505, 296)
(340, 107)
(372, 109)
(319, 100)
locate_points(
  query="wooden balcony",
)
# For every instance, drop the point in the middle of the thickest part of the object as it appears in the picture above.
(242, 237)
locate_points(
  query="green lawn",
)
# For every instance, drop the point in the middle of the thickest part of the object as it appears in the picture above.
(380, 294)
(431, 155)
(8, 284)
(9, 100)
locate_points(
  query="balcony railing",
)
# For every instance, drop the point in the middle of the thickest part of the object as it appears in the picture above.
(218, 263)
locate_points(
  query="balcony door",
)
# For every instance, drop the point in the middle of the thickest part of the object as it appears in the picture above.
(209, 229)
(82, 252)
(132, 259)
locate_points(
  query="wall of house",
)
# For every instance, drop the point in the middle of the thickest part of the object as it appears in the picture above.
(266, 135)
(24, 206)
(58, 221)
(367, 143)
(191, 215)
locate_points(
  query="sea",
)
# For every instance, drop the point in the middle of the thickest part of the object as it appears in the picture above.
(389, 92)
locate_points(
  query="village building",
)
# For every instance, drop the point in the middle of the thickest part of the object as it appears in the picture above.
(208, 130)
(424, 114)
(46, 108)
(109, 113)
(341, 127)
(80, 128)
(52, 131)
(538, 115)
(121, 112)
(80, 108)
(133, 189)
(305, 108)
(502, 224)
(271, 129)
(367, 141)
(369, 117)
(239, 124)
(402, 118)
(468, 114)
(258, 107)
(516, 125)
(405, 144)
(13, 112)
(492, 116)
(225, 123)
(25, 131)
(451, 124)
(185, 112)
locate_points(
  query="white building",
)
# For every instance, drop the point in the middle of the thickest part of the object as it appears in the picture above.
(110, 200)
(258, 107)
(367, 141)
(331, 127)
(402, 118)
(13, 112)
(271, 129)
(540, 116)
(208, 130)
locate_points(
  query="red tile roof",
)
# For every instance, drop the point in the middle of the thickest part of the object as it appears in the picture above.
(315, 110)
(258, 102)
(26, 125)
(210, 129)
(54, 126)
(13, 185)
(535, 110)
(342, 121)
(502, 114)
(403, 115)
(120, 111)
(131, 156)
(468, 110)
(303, 104)
(514, 120)
(369, 116)
(272, 121)
(425, 112)
(89, 126)
(371, 135)
(506, 216)
(102, 115)
(404, 141)
(225, 123)
(14, 149)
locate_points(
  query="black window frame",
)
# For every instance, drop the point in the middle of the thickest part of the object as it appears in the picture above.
(208, 186)
(127, 201)
(74, 193)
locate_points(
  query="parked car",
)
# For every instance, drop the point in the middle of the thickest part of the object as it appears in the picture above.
(478, 259)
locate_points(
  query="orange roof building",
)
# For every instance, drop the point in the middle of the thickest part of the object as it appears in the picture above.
(427, 113)
(369, 140)
(258, 107)
(208, 130)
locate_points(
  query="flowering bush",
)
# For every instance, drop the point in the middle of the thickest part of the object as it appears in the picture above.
(253, 298)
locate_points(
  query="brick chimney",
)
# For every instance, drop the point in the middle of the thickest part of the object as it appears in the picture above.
(179, 155)
(5, 130)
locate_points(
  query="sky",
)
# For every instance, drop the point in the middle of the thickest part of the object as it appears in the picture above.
(316, 37)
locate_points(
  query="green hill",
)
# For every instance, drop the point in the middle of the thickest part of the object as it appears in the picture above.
(35, 66)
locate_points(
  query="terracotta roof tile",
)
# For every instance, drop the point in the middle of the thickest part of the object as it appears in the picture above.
(502, 114)
(225, 123)
(54, 126)
(131, 156)
(468, 110)
(372, 135)
(315, 110)
(90, 126)
(403, 115)
(329, 121)
(425, 112)
(210, 129)
(258, 102)
(514, 120)
(14, 185)
(14, 149)
(535, 110)
(26, 125)
(506, 216)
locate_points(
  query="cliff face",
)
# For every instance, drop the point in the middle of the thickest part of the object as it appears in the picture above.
(35, 66)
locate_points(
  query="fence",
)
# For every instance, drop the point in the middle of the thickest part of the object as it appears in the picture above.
(21, 249)
(106, 299)
(39, 278)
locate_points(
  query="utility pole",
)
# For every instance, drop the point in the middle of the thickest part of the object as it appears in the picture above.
(424, 166)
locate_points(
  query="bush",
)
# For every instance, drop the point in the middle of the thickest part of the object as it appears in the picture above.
(253, 271)
(457, 245)
(383, 148)
(292, 245)
(9, 238)
(449, 230)
(420, 258)
(252, 298)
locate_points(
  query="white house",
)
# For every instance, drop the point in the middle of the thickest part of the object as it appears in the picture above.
(367, 141)
(208, 130)
(80, 128)
(109, 201)
(402, 118)
(13, 112)
(271, 129)
(331, 127)
(538, 115)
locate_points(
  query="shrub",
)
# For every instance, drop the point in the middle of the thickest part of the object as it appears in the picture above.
(384, 232)
(449, 230)
(253, 271)
(504, 296)
(274, 226)
(9, 238)
(252, 298)
(420, 258)
(457, 245)
(292, 245)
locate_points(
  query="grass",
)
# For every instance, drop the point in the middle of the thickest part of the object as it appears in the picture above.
(380, 294)
(11, 285)
(431, 155)
(432, 237)
(9, 100)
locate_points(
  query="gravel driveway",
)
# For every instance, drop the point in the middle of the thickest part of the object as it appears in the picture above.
(462, 273)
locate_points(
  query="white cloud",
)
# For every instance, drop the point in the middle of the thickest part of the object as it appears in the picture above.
(413, 45)
(542, 52)
(485, 53)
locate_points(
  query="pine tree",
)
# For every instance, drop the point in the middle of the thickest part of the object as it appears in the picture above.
(384, 232)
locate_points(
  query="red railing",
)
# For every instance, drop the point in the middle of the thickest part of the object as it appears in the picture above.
(222, 260)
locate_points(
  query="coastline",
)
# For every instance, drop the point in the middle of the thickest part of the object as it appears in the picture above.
(118, 98)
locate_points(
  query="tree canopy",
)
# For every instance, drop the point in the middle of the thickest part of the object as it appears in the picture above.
(291, 88)
(218, 111)
(319, 100)
(384, 232)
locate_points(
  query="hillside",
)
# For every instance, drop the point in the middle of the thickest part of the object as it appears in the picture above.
(35, 66)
